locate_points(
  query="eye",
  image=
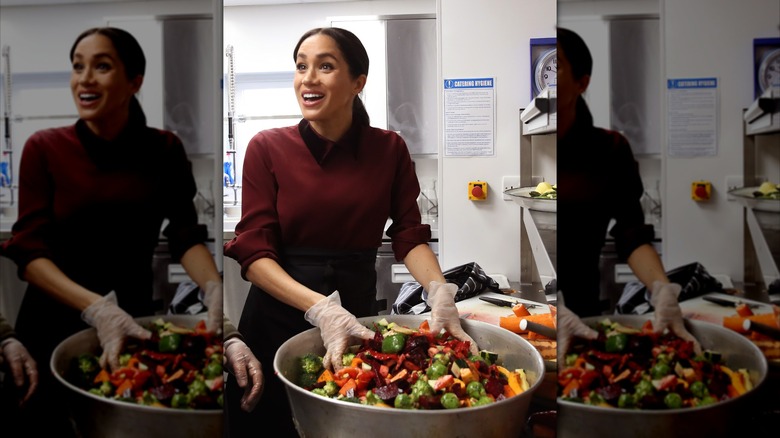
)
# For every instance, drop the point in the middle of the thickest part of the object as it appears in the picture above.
(326, 66)
(104, 66)
(77, 66)
(300, 67)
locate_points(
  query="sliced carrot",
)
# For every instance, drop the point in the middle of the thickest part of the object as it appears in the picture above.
(356, 362)
(326, 376)
(744, 310)
(511, 323)
(571, 386)
(520, 310)
(350, 384)
(508, 392)
(102, 376)
(735, 322)
(127, 384)
(424, 326)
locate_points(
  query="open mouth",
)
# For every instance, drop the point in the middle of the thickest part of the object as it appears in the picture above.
(312, 97)
(88, 97)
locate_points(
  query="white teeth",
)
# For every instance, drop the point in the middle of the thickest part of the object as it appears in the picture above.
(88, 96)
(309, 96)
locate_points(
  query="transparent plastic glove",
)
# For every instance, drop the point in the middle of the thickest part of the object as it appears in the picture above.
(240, 362)
(113, 326)
(444, 313)
(336, 326)
(22, 365)
(569, 325)
(668, 314)
(212, 297)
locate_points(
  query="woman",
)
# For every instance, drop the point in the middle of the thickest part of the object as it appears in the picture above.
(597, 174)
(92, 200)
(316, 197)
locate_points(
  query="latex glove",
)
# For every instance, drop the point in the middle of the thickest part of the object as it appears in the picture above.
(569, 325)
(444, 313)
(336, 326)
(113, 326)
(21, 364)
(212, 297)
(668, 314)
(240, 362)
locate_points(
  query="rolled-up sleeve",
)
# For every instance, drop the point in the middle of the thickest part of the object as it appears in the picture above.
(29, 234)
(258, 232)
(183, 231)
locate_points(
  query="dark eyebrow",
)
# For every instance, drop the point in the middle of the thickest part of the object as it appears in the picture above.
(320, 56)
(99, 55)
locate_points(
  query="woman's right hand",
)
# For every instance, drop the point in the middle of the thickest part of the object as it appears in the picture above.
(243, 364)
(336, 325)
(113, 326)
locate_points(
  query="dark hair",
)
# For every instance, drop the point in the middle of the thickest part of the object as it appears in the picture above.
(576, 52)
(355, 55)
(130, 54)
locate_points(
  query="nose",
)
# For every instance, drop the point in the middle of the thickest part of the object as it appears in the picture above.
(85, 76)
(310, 76)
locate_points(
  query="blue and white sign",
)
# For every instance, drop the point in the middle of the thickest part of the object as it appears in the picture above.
(469, 117)
(692, 124)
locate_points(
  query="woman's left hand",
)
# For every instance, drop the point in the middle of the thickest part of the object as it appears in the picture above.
(444, 313)
(668, 313)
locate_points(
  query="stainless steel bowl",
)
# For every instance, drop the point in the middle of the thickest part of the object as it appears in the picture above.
(96, 416)
(317, 416)
(579, 420)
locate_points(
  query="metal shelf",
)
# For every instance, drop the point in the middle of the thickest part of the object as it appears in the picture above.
(536, 265)
(761, 124)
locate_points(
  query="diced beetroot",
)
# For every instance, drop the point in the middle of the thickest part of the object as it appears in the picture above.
(163, 392)
(387, 392)
(494, 387)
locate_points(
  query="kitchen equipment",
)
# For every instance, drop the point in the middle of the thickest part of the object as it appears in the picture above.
(505, 303)
(537, 328)
(522, 196)
(764, 329)
(719, 419)
(745, 196)
(728, 303)
(317, 416)
(95, 416)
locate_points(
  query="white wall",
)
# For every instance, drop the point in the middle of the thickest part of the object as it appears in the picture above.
(489, 38)
(712, 38)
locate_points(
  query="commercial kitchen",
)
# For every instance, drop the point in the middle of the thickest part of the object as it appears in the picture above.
(416, 46)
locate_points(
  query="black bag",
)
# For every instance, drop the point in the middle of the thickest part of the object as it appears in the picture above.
(694, 279)
(471, 281)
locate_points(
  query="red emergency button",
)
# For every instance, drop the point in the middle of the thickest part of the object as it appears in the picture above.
(701, 190)
(478, 190)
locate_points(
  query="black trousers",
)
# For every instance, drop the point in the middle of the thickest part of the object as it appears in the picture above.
(267, 323)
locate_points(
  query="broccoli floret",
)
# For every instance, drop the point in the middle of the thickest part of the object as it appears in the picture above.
(124, 359)
(307, 380)
(373, 399)
(331, 388)
(148, 399)
(349, 399)
(311, 363)
(88, 364)
(319, 391)
(104, 390)
(346, 359)
(197, 388)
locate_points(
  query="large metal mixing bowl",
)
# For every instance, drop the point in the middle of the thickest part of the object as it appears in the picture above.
(321, 417)
(579, 420)
(95, 416)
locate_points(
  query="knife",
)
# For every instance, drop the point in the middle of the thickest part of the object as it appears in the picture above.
(505, 303)
(728, 303)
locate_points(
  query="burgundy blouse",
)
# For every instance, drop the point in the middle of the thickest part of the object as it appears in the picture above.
(302, 190)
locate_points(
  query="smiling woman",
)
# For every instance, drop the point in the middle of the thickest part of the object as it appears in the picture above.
(93, 178)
